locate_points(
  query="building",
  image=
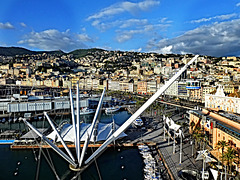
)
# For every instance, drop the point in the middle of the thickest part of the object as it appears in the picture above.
(221, 102)
(142, 87)
(151, 87)
(217, 127)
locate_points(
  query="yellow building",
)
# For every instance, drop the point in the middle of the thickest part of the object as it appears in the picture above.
(142, 87)
(217, 127)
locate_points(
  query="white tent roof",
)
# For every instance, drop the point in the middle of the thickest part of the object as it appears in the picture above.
(103, 132)
(171, 124)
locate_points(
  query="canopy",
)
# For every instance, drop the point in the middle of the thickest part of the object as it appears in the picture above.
(103, 132)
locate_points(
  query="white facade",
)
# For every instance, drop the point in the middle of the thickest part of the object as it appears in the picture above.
(220, 101)
(172, 90)
(113, 85)
(151, 87)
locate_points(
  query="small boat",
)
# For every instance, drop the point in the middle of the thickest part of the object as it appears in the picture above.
(86, 111)
(3, 120)
(112, 109)
(138, 122)
(15, 119)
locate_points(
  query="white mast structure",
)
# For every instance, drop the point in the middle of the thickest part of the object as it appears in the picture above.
(73, 118)
(54, 147)
(92, 128)
(59, 136)
(74, 164)
(78, 148)
(139, 112)
(76, 125)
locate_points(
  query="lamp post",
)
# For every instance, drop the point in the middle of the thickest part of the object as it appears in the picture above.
(180, 154)
(174, 144)
(164, 133)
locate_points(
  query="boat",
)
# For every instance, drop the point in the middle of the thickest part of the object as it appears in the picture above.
(138, 122)
(86, 111)
(112, 109)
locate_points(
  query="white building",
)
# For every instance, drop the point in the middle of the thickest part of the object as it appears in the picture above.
(113, 85)
(222, 102)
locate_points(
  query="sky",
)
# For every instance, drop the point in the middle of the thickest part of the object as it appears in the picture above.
(162, 26)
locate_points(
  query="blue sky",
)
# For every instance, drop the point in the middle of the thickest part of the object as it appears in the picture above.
(163, 26)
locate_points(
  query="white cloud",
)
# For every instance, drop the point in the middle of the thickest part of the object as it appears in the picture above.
(220, 17)
(53, 39)
(84, 38)
(166, 50)
(133, 22)
(23, 24)
(7, 25)
(119, 23)
(217, 39)
(123, 7)
(126, 35)
(149, 29)
(238, 4)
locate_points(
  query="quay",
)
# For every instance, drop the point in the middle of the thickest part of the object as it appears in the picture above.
(22, 144)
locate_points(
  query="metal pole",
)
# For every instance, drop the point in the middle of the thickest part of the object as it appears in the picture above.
(59, 136)
(180, 154)
(73, 119)
(164, 124)
(225, 172)
(92, 127)
(55, 148)
(78, 148)
(168, 136)
(203, 175)
(192, 146)
(174, 144)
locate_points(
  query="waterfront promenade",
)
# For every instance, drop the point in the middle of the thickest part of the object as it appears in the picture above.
(164, 148)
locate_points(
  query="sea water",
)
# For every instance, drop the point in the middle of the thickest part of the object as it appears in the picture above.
(114, 164)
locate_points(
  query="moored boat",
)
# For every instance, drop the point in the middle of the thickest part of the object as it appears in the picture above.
(138, 122)
(112, 109)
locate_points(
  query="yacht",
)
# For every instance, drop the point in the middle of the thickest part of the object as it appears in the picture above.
(86, 111)
(138, 122)
(112, 109)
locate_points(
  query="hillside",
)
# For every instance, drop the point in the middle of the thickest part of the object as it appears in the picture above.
(83, 52)
(13, 51)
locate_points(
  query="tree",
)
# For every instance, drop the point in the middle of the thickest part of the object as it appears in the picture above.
(237, 158)
(221, 145)
(198, 137)
(229, 156)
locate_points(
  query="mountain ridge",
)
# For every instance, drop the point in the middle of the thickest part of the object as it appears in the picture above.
(13, 51)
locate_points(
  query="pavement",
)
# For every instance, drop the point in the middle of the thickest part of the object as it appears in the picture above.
(154, 133)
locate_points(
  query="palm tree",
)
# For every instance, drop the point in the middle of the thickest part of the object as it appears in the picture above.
(192, 124)
(237, 158)
(229, 156)
(198, 137)
(221, 145)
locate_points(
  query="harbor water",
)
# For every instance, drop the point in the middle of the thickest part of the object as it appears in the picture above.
(115, 163)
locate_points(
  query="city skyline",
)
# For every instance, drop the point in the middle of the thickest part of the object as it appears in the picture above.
(208, 28)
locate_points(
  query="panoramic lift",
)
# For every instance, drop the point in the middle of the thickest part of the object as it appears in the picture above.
(78, 164)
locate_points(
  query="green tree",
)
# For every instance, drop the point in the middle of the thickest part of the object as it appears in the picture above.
(221, 145)
(229, 156)
(198, 138)
(237, 158)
